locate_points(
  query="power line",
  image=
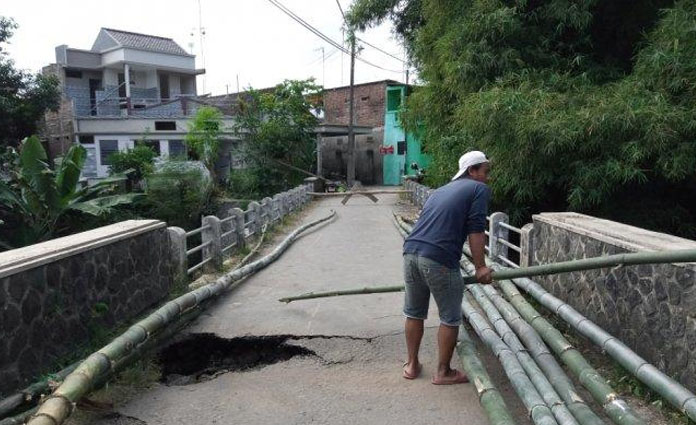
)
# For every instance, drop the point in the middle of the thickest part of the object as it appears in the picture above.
(341, 9)
(324, 37)
(358, 38)
(378, 49)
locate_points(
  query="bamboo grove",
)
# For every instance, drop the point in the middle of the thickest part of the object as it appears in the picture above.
(582, 105)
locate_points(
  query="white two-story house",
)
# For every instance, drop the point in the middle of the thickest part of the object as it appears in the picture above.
(127, 87)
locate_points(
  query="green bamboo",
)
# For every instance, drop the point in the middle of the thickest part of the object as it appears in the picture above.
(543, 357)
(58, 406)
(615, 407)
(675, 256)
(537, 408)
(358, 291)
(674, 392)
(546, 361)
(492, 402)
(540, 381)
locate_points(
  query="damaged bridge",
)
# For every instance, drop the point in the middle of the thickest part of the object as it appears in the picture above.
(250, 359)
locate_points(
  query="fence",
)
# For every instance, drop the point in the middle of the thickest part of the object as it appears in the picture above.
(221, 237)
(498, 234)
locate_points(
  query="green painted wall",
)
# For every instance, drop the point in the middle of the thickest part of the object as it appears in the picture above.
(395, 165)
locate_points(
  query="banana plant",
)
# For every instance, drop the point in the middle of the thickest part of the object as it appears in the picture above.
(35, 201)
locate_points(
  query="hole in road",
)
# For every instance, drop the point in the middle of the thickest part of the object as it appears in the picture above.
(200, 357)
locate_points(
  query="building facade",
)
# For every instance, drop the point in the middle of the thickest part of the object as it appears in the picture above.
(127, 87)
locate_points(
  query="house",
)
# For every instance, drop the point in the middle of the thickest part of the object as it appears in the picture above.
(127, 87)
(383, 155)
(401, 148)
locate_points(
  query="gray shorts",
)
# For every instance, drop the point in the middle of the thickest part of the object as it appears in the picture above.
(424, 276)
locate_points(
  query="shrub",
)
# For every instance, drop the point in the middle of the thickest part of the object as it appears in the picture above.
(137, 163)
(178, 191)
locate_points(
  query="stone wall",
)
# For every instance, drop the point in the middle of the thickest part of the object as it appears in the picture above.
(59, 295)
(651, 308)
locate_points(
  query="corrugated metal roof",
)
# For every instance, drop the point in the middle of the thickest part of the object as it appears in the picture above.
(151, 43)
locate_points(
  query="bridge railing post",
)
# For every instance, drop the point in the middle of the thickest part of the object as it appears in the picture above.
(211, 235)
(254, 217)
(177, 249)
(239, 227)
(527, 245)
(267, 209)
(495, 232)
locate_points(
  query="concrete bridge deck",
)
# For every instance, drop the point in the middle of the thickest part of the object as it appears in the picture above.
(355, 376)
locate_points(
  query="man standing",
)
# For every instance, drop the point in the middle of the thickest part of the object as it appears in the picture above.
(431, 262)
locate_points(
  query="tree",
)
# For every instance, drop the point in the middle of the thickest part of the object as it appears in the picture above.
(586, 105)
(24, 98)
(203, 136)
(277, 128)
(36, 202)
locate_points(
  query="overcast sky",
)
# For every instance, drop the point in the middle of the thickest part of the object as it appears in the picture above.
(249, 38)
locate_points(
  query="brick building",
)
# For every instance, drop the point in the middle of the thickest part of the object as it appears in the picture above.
(369, 103)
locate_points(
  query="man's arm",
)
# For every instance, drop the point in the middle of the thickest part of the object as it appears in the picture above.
(477, 243)
(476, 225)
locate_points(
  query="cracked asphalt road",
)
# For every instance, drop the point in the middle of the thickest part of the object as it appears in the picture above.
(355, 379)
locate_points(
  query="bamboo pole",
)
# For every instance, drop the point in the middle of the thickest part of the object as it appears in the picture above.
(545, 359)
(674, 392)
(359, 192)
(615, 407)
(489, 397)
(358, 291)
(537, 408)
(540, 381)
(58, 406)
(672, 256)
(539, 352)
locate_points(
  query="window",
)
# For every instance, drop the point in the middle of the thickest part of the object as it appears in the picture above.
(393, 100)
(86, 139)
(365, 98)
(73, 73)
(165, 125)
(177, 149)
(164, 86)
(106, 148)
(401, 148)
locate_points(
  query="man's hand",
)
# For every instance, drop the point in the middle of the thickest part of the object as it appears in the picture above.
(483, 275)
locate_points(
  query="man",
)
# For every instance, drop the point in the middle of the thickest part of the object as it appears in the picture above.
(431, 262)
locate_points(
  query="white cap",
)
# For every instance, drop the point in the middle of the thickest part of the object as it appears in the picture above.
(469, 159)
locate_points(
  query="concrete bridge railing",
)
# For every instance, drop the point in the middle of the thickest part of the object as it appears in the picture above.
(63, 293)
(222, 237)
(651, 308)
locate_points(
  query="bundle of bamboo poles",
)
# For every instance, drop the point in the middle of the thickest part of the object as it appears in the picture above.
(535, 332)
(58, 406)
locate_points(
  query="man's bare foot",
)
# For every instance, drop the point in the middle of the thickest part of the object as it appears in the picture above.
(412, 371)
(452, 376)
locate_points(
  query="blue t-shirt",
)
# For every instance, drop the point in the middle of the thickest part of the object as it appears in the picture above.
(449, 215)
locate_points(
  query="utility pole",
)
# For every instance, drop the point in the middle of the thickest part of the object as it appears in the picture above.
(351, 113)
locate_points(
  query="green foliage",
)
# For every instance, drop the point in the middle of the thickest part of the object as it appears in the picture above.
(277, 129)
(137, 163)
(36, 202)
(586, 105)
(203, 136)
(177, 192)
(24, 98)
